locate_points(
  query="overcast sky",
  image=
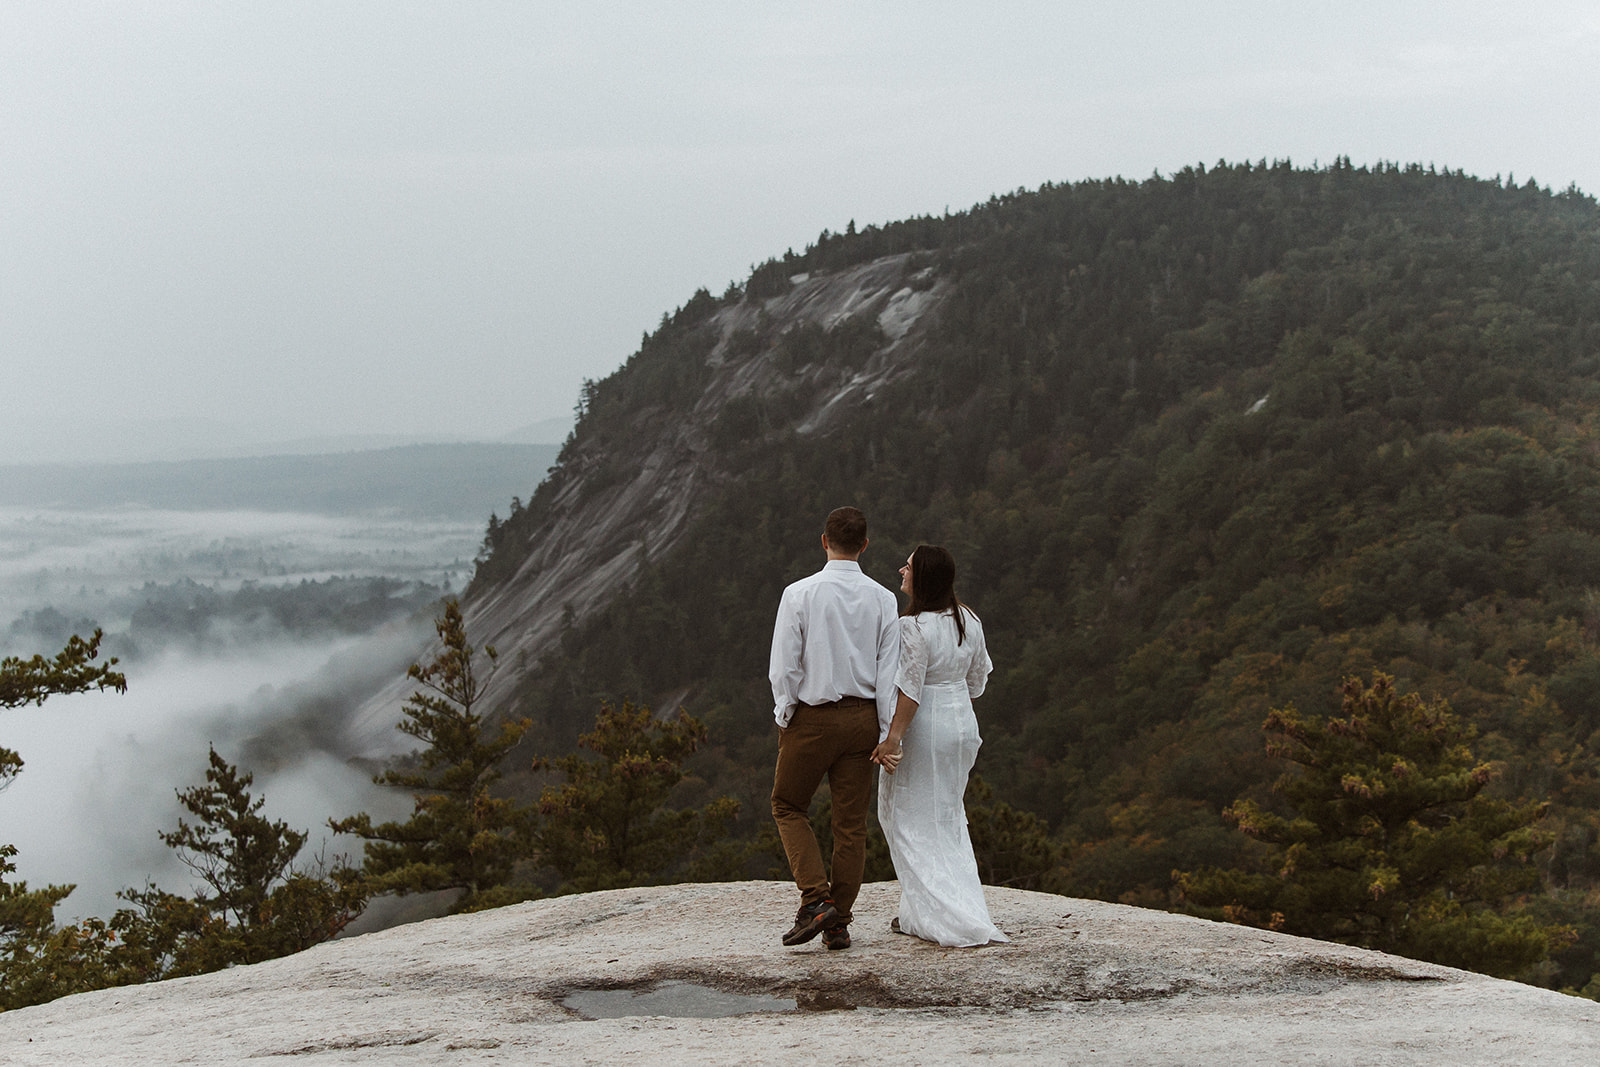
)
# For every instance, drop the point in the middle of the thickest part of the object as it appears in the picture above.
(436, 219)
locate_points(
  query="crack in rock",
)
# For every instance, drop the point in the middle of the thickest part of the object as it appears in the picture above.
(1357, 972)
(384, 1039)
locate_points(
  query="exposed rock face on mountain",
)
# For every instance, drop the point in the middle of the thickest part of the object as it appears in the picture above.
(1203, 446)
(1081, 981)
(612, 510)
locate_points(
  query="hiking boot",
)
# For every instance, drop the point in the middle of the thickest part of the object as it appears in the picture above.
(810, 921)
(837, 937)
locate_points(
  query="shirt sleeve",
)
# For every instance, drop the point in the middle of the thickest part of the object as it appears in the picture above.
(913, 659)
(888, 664)
(981, 667)
(788, 642)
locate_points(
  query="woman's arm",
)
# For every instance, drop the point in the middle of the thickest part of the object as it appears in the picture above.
(888, 751)
(908, 692)
(979, 669)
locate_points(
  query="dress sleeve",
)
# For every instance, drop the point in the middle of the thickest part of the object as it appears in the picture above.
(981, 666)
(913, 659)
(888, 665)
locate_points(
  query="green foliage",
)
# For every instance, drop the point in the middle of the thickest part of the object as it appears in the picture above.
(233, 848)
(1203, 445)
(1013, 847)
(459, 836)
(39, 960)
(255, 906)
(165, 935)
(72, 670)
(1574, 967)
(1389, 842)
(607, 826)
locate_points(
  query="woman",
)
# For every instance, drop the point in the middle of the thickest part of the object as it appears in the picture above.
(928, 754)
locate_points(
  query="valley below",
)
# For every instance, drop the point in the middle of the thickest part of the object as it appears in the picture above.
(253, 628)
(1243, 475)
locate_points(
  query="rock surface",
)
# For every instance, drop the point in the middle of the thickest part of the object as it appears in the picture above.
(1082, 982)
(614, 512)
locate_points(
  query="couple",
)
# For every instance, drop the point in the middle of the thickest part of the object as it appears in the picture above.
(854, 684)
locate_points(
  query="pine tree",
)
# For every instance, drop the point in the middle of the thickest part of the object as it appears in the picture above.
(31, 681)
(1392, 844)
(72, 670)
(605, 828)
(40, 961)
(459, 836)
(233, 848)
(1013, 848)
(255, 906)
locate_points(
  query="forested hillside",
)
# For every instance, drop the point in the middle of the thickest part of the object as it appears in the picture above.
(1202, 446)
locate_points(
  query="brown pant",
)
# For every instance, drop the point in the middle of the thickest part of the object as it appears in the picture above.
(836, 741)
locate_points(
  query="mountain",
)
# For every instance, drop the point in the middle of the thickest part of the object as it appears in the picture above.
(1202, 445)
(659, 973)
(641, 467)
(544, 432)
(179, 438)
(665, 441)
(432, 480)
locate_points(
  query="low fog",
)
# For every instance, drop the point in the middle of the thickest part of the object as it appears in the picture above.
(256, 631)
(83, 562)
(102, 768)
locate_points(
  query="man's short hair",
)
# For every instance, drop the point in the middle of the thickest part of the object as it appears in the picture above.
(846, 530)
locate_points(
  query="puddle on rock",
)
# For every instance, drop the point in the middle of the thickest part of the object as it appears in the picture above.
(677, 999)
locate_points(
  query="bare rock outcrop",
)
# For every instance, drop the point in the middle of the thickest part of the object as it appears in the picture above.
(617, 508)
(1082, 981)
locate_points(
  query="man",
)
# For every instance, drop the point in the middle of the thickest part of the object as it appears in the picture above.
(835, 649)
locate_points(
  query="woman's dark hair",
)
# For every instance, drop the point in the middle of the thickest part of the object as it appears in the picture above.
(933, 585)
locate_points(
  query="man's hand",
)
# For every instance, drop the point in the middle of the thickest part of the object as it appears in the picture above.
(887, 754)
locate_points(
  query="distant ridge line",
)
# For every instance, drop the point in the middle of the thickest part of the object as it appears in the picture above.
(455, 480)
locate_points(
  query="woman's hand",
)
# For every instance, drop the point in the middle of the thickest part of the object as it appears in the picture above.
(888, 752)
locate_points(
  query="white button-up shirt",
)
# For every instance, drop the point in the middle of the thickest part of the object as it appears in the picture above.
(837, 635)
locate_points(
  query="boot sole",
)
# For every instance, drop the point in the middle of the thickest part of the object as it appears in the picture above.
(818, 923)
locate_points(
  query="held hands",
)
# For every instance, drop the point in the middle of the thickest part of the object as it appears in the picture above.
(888, 753)
(889, 750)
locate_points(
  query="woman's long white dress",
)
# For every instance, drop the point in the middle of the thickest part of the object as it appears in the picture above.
(920, 805)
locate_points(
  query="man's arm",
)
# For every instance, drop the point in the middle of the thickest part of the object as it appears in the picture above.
(888, 665)
(788, 642)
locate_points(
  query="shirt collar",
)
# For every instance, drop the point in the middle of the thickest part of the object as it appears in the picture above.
(842, 565)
